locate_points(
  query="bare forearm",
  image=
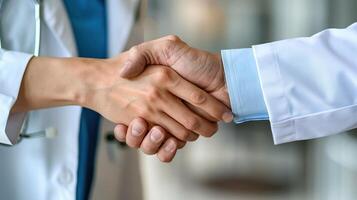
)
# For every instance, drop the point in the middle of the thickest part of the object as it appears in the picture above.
(52, 82)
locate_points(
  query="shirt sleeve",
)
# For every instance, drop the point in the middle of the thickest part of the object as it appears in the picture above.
(12, 68)
(243, 85)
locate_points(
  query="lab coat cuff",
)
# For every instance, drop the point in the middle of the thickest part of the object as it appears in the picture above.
(272, 85)
(12, 68)
(243, 85)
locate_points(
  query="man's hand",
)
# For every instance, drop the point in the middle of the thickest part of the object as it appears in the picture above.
(156, 141)
(199, 67)
(157, 95)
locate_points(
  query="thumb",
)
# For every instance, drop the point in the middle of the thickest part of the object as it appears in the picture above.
(149, 53)
(135, 63)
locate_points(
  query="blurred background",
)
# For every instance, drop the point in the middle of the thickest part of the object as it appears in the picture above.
(241, 162)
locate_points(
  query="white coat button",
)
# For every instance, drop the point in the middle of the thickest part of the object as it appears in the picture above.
(65, 177)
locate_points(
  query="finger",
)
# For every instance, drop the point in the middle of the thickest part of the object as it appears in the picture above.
(180, 144)
(200, 112)
(168, 151)
(175, 128)
(179, 111)
(120, 132)
(136, 62)
(149, 53)
(153, 140)
(136, 132)
(199, 98)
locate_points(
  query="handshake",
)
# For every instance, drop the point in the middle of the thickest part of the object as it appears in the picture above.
(166, 94)
(163, 93)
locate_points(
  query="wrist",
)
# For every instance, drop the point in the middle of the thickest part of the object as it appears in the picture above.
(221, 92)
(51, 82)
(48, 82)
(94, 76)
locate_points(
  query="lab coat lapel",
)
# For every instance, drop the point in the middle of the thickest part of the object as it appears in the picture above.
(56, 18)
(121, 18)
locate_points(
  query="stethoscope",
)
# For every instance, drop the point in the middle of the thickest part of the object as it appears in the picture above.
(51, 131)
(48, 132)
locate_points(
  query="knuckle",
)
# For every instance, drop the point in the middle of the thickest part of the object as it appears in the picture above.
(164, 75)
(153, 94)
(159, 129)
(185, 134)
(192, 123)
(215, 128)
(194, 137)
(138, 121)
(171, 46)
(210, 134)
(198, 97)
(169, 49)
(173, 38)
(145, 111)
(181, 144)
(137, 55)
(134, 50)
(212, 131)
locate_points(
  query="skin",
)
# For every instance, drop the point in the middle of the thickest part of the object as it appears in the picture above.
(156, 95)
(199, 67)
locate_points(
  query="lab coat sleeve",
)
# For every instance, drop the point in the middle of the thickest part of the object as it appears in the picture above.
(12, 68)
(310, 84)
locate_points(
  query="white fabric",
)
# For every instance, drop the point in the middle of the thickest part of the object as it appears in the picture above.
(12, 67)
(310, 84)
(43, 169)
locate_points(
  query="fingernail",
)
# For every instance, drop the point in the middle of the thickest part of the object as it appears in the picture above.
(137, 130)
(192, 137)
(156, 136)
(170, 147)
(119, 132)
(227, 117)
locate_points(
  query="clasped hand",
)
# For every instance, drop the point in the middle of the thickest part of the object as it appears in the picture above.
(167, 94)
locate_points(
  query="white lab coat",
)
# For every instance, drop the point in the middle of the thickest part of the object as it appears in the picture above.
(310, 84)
(44, 169)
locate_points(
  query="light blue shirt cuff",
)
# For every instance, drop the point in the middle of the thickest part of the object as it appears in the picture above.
(243, 84)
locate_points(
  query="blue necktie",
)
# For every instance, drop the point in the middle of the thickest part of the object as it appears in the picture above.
(88, 20)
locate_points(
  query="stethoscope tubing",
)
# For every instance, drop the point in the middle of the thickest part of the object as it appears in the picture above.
(49, 132)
